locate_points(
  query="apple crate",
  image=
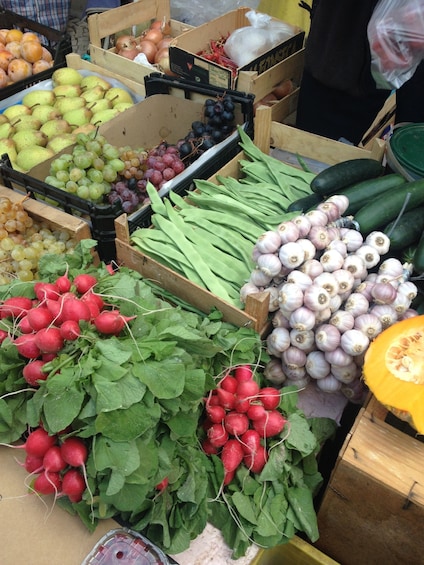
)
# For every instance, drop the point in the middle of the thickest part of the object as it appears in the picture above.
(55, 41)
(373, 507)
(133, 18)
(170, 107)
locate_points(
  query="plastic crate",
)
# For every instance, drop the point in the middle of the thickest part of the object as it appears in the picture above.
(55, 41)
(101, 216)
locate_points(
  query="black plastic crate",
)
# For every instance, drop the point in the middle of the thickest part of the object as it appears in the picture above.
(101, 216)
(55, 41)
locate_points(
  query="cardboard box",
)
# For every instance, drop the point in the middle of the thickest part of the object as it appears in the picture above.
(373, 508)
(185, 61)
(130, 18)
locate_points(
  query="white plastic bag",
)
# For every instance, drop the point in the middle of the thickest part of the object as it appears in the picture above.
(246, 43)
(396, 38)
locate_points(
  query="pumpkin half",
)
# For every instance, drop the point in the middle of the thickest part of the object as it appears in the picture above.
(393, 370)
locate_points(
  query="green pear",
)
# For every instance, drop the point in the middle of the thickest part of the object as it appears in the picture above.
(8, 146)
(67, 104)
(15, 110)
(45, 112)
(61, 141)
(90, 81)
(29, 138)
(6, 130)
(104, 116)
(29, 157)
(67, 90)
(3, 119)
(121, 106)
(93, 94)
(78, 117)
(25, 122)
(66, 75)
(86, 128)
(37, 97)
(117, 94)
(99, 105)
(55, 127)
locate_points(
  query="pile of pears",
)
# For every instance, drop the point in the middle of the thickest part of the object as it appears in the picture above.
(49, 120)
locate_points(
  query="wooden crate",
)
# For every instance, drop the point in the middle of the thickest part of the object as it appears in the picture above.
(138, 15)
(54, 217)
(373, 507)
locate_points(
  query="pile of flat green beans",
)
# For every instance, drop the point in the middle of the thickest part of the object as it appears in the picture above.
(208, 237)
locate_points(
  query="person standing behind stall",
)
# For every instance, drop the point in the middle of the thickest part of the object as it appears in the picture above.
(338, 96)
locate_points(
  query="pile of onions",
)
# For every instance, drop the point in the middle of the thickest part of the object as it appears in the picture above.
(331, 294)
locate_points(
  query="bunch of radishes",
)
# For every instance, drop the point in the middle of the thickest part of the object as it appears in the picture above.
(331, 292)
(59, 465)
(240, 417)
(41, 327)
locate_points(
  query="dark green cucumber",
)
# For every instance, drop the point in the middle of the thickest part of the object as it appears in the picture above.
(418, 258)
(362, 192)
(406, 230)
(305, 203)
(341, 175)
(377, 213)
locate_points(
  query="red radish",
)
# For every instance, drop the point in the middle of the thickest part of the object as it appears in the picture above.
(55, 307)
(228, 477)
(33, 372)
(207, 424)
(255, 462)
(27, 347)
(63, 283)
(38, 442)
(49, 340)
(229, 383)
(33, 464)
(70, 330)
(39, 318)
(241, 405)
(216, 414)
(256, 412)
(16, 306)
(236, 424)
(243, 373)
(247, 389)
(250, 441)
(46, 357)
(217, 435)
(94, 297)
(271, 424)
(75, 309)
(53, 460)
(226, 399)
(270, 397)
(74, 451)
(47, 483)
(73, 485)
(24, 326)
(208, 448)
(3, 335)
(163, 484)
(232, 455)
(212, 399)
(111, 322)
(92, 306)
(83, 283)
(44, 290)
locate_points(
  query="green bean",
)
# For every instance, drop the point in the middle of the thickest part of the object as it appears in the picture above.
(245, 227)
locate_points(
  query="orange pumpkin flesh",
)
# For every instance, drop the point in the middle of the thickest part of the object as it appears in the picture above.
(393, 370)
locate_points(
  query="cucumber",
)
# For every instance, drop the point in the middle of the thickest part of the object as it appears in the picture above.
(418, 258)
(362, 192)
(407, 230)
(305, 203)
(341, 175)
(377, 213)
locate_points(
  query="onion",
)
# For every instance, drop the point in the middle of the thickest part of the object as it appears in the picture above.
(149, 49)
(125, 42)
(162, 61)
(166, 41)
(130, 53)
(163, 25)
(154, 35)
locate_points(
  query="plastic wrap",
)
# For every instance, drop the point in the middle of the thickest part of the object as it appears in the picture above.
(246, 43)
(396, 38)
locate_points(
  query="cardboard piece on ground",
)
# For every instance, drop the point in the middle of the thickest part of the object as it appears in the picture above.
(30, 532)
